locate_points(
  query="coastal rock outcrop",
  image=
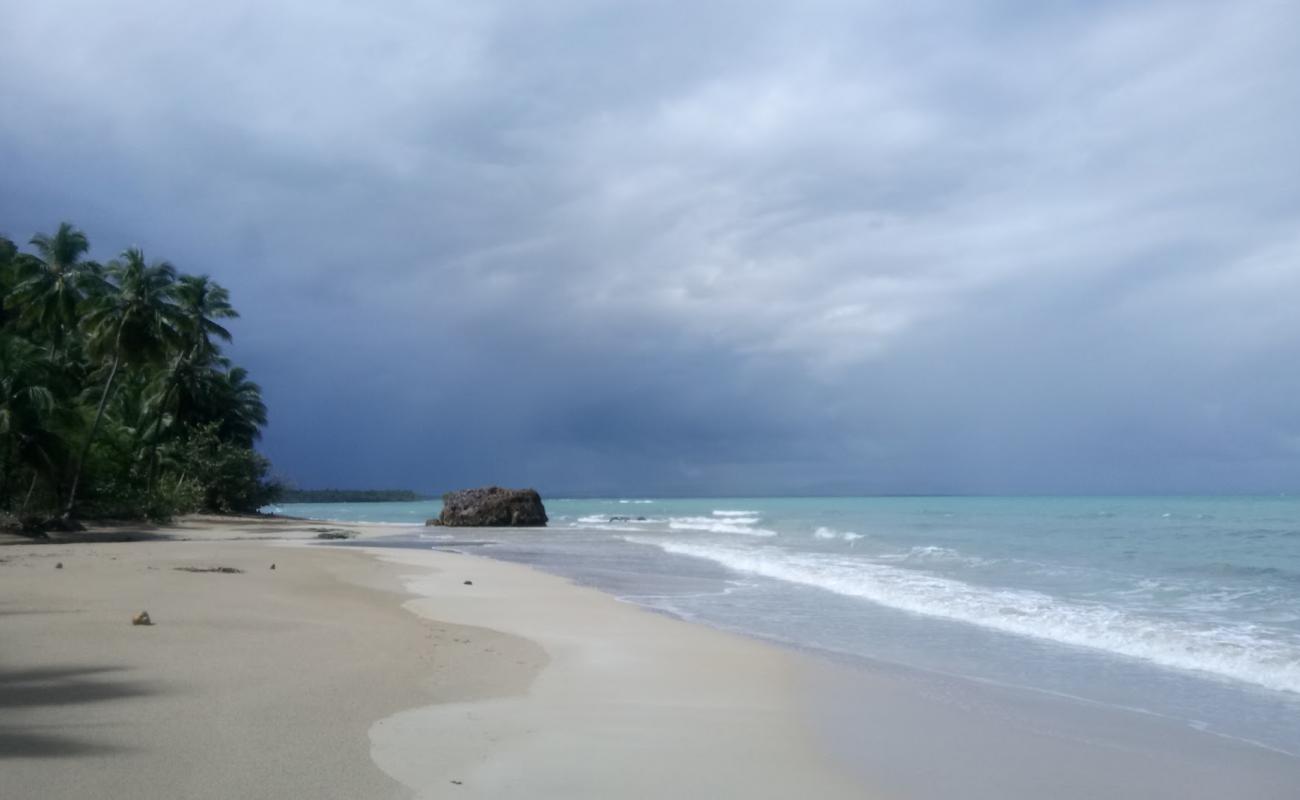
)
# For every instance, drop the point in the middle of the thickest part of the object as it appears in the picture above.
(491, 506)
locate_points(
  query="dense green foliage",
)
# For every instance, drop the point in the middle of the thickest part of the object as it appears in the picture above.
(288, 495)
(115, 398)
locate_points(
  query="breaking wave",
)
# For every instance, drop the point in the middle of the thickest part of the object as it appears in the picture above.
(831, 534)
(731, 522)
(1245, 652)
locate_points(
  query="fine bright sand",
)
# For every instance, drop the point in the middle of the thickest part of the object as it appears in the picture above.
(369, 672)
(372, 674)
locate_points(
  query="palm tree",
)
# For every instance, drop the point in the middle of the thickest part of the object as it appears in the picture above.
(27, 405)
(52, 283)
(127, 362)
(201, 301)
(243, 410)
(135, 321)
(8, 253)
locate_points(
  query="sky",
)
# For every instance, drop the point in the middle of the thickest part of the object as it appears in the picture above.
(749, 247)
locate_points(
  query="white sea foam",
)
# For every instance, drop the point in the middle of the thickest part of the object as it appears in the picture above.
(1250, 653)
(726, 513)
(831, 533)
(931, 554)
(605, 525)
(738, 525)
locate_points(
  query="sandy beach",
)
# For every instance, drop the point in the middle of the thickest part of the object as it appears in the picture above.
(369, 673)
(380, 672)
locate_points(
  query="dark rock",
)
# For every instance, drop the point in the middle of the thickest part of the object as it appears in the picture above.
(59, 565)
(627, 519)
(141, 619)
(222, 570)
(272, 566)
(493, 507)
(469, 583)
(10, 523)
(431, 522)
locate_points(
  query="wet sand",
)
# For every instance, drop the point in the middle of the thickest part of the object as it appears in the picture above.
(349, 673)
(367, 672)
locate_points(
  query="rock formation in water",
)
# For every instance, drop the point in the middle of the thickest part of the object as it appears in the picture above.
(491, 507)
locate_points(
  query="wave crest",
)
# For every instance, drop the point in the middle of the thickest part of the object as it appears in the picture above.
(1247, 653)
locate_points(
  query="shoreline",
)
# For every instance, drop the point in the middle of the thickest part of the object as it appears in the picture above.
(907, 732)
(630, 703)
(328, 677)
(379, 673)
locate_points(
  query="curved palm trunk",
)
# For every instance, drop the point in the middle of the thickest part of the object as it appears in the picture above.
(27, 500)
(94, 426)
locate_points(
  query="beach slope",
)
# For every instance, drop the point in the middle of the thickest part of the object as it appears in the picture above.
(312, 680)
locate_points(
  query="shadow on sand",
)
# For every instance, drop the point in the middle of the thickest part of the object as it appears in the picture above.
(23, 690)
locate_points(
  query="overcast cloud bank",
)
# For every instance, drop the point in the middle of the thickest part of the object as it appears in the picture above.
(748, 248)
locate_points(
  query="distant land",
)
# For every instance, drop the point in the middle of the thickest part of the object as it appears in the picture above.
(350, 496)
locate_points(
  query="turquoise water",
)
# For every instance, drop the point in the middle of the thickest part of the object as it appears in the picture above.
(1184, 607)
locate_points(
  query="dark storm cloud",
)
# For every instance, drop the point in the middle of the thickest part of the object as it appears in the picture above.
(624, 247)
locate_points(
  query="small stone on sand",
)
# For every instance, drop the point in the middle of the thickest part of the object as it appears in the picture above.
(141, 619)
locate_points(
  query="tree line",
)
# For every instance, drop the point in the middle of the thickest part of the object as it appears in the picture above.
(115, 398)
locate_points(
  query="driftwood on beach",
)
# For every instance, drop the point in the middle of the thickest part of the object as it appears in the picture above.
(491, 506)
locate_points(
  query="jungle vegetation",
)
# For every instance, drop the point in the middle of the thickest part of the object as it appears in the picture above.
(116, 400)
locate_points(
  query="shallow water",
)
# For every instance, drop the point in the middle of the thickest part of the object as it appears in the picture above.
(1187, 608)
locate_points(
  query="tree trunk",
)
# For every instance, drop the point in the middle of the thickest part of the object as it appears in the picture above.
(172, 385)
(94, 426)
(30, 488)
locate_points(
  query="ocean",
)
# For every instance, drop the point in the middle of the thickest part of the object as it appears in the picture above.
(1183, 607)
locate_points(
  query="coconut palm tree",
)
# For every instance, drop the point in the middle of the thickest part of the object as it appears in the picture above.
(8, 254)
(27, 407)
(220, 395)
(200, 301)
(243, 410)
(7, 251)
(127, 362)
(135, 321)
(53, 283)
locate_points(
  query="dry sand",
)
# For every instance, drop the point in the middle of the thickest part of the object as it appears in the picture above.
(312, 680)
